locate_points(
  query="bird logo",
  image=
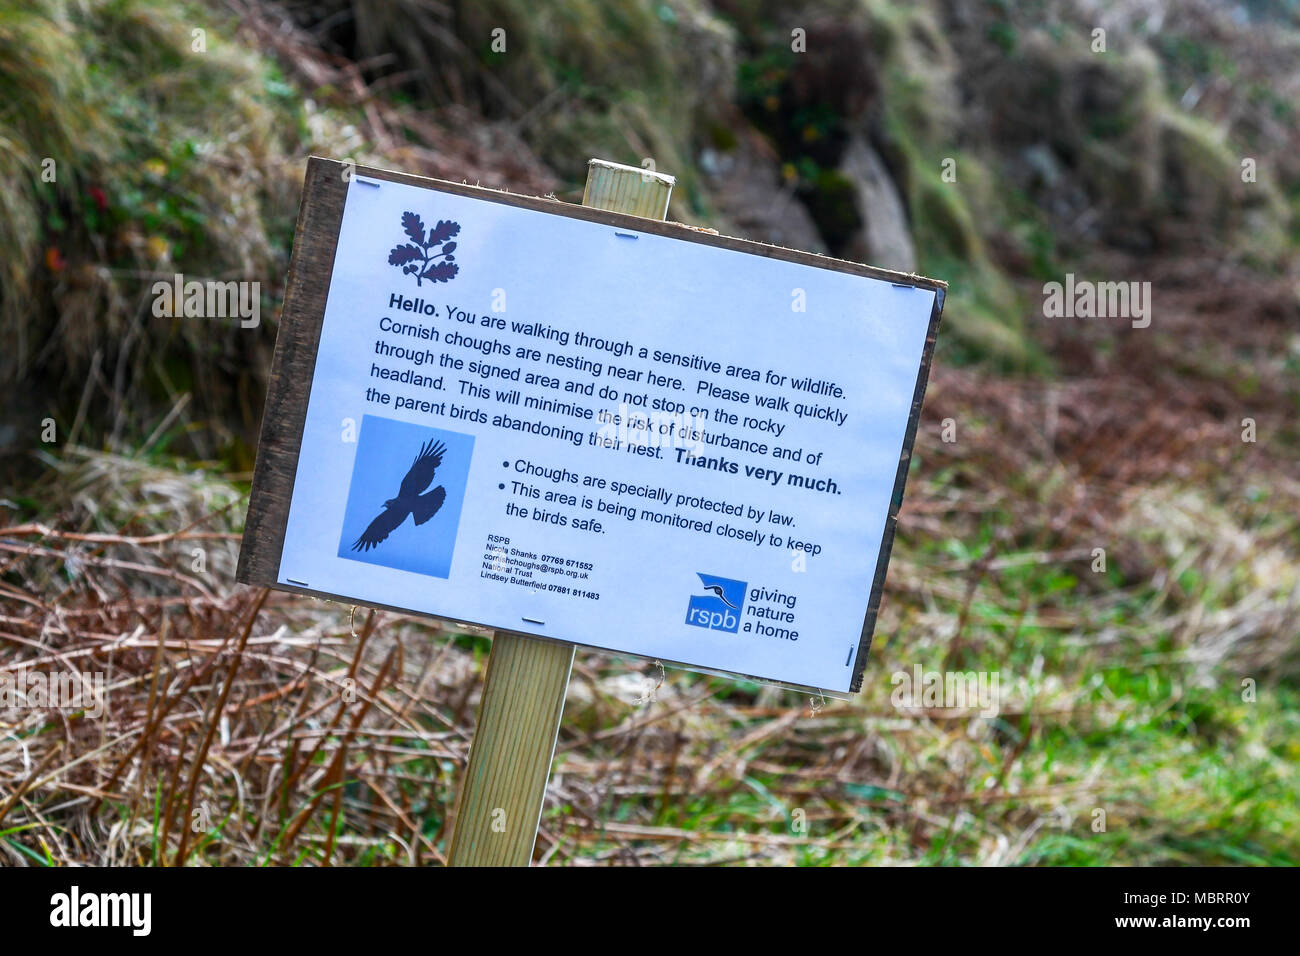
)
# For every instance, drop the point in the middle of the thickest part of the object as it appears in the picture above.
(409, 500)
(713, 609)
(717, 589)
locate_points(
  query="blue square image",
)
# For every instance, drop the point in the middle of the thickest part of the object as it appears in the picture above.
(719, 610)
(408, 486)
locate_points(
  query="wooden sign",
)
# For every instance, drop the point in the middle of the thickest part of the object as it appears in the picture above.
(587, 427)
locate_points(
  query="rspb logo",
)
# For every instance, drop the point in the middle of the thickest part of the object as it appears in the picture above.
(719, 610)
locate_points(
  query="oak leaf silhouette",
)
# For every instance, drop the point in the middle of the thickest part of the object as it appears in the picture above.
(421, 257)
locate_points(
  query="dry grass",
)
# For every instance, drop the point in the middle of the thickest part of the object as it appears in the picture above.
(224, 707)
(229, 737)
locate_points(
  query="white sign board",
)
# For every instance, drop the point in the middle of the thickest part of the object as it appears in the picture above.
(606, 434)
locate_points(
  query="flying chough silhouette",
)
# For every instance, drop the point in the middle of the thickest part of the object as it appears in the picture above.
(409, 501)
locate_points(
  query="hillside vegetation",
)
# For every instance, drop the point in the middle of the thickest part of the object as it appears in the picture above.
(995, 145)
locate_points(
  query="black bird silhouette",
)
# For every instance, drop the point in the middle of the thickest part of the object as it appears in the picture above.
(717, 589)
(409, 501)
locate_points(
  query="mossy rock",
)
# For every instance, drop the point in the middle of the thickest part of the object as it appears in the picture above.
(943, 222)
(832, 201)
(975, 331)
(1201, 179)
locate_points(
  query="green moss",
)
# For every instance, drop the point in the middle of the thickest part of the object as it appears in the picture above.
(943, 221)
(722, 137)
(1003, 36)
(1201, 175)
(831, 199)
(627, 74)
(983, 320)
(982, 316)
(169, 159)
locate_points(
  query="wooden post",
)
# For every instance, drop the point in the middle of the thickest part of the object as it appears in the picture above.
(527, 679)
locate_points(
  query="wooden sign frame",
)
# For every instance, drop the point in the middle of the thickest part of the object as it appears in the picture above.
(293, 365)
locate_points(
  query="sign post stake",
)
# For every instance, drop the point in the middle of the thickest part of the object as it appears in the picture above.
(524, 687)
